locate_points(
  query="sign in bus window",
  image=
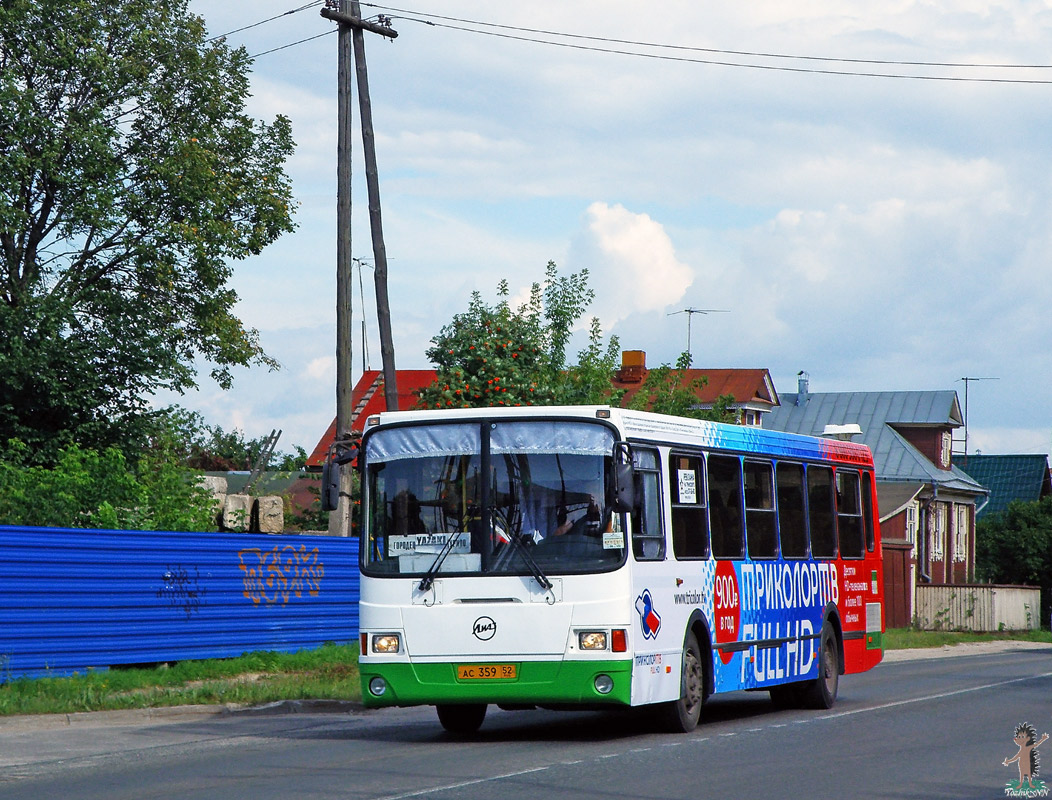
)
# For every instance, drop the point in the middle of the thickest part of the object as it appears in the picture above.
(849, 514)
(792, 513)
(759, 509)
(725, 506)
(820, 511)
(690, 523)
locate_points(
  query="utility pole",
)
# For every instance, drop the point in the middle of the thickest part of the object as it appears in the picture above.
(347, 14)
(349, 18)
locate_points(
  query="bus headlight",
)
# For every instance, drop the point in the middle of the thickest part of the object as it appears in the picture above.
(604, 684)
(386, 643)
(377, 686)
(591, 640)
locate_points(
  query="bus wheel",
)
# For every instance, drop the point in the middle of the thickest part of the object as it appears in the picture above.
(462, 720)
(822, 691)
(681, 716)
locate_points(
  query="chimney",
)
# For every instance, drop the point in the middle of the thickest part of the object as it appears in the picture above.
(801, 387)
(633, 366)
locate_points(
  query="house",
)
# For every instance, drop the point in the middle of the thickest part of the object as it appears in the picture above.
(927, 505)
(1007, 478)
(752, 389)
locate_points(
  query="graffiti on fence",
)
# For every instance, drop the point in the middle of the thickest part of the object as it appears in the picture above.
(274, 576)
(182, 590)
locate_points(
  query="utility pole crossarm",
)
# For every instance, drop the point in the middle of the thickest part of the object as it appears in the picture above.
(355, 22)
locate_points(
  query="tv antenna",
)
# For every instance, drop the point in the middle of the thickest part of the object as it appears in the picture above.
(690, 312)
(966, 382)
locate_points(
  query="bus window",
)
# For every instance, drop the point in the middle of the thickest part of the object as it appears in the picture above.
(648, 538)
(821, 519)
(690, 522)
(725, 506)
(867, 512)
(849, 514)
(759, 509)
(792, 514)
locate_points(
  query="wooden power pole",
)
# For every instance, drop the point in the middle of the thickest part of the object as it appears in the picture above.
(351, 40)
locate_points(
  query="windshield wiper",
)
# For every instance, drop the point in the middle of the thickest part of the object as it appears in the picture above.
(447, 548)
(535, 569)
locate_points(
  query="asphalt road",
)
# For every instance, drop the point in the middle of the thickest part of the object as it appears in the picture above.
(927, 727)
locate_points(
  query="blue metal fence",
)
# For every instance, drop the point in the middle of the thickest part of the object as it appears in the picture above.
(74, 599)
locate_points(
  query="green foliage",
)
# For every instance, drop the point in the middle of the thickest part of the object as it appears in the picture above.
(211, 449)
(500, 356)
(670, 390)
(89, 489)
(1015, 547)
(131, 176)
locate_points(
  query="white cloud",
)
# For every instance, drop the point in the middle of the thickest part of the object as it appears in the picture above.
(632, 262)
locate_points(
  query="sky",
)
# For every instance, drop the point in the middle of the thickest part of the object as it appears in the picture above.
(878, 233)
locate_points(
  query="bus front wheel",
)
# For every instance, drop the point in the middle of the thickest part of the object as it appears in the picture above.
(462, 720)
(823, 690)
(681, 716)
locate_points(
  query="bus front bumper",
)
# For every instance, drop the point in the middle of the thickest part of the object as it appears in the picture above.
(535, 683)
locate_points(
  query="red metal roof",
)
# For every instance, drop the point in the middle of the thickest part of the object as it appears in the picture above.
(410, 382)
(748, 386)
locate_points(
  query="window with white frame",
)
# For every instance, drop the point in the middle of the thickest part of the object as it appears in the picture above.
(944, 455)
(938, 532)
(912, 513)
(961, 529)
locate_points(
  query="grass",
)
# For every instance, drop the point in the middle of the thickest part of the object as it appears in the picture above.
(907, 638)
(327, 673)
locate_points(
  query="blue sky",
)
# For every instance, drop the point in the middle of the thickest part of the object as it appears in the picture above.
(879, 233)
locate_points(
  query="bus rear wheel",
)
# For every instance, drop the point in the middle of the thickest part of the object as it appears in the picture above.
(822, 691)
(682, 715)
(462, 720)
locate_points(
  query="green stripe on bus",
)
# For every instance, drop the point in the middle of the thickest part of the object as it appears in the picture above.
(548, 682)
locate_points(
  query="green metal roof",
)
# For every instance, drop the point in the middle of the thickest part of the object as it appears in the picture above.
(1009, 478)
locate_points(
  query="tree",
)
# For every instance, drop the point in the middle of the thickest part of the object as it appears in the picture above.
(209, 448)
(669, 390)
(130, 177)
(500, 356)
(1015, 547)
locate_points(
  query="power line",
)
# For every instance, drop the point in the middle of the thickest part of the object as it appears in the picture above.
(428, 20)
(304, 7)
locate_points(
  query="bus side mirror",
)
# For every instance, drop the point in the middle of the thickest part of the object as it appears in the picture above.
(624, 488)
(339, 454)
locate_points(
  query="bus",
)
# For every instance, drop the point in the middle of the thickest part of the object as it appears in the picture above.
(584, 557)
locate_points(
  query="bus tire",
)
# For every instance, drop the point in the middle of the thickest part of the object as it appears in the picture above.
(682, 715)
(822, 691)
(461, 720)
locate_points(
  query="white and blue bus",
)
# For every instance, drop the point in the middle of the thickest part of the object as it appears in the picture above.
(588, 556)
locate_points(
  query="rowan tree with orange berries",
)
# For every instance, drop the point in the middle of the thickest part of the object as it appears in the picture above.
(497, 355)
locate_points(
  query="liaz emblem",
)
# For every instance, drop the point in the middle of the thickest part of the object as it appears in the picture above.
(649, 619)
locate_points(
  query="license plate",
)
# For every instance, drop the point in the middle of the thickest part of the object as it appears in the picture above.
(486, 672)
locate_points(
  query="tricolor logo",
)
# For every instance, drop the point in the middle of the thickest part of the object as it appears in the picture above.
(649, 619)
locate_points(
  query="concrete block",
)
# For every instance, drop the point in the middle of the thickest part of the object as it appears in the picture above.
(270, 514)
(237, 512)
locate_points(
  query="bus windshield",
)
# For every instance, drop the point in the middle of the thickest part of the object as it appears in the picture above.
(489, 497)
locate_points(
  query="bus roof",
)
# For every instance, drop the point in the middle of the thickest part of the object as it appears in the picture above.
(663, 428)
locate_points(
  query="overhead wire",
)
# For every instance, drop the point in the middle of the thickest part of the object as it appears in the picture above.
(428, 19)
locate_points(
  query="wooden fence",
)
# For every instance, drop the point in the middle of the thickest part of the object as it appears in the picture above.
(977, 607)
